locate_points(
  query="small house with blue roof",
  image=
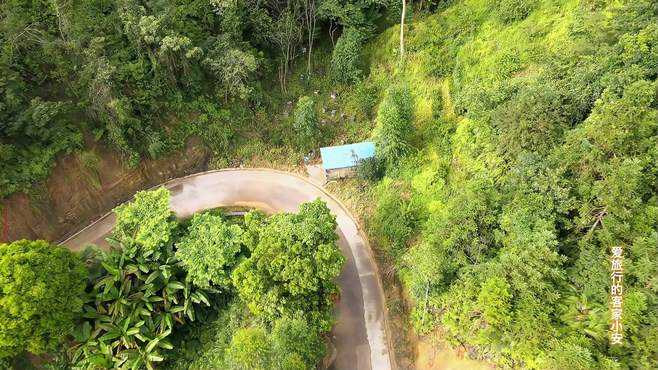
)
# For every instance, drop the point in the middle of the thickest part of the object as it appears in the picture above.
(342, 160)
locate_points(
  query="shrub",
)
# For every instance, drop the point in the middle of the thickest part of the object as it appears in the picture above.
(345, 65)
(306, 123)
(533, 119)
(204, 343)
(89, 159)
(363, 99)
(394, 117)
(212, 125)
(41, 293)
(514, 10)
(292, 344)
(370, 169)
(296, 344)
(395, 217)
(21, 166)
(250, 349)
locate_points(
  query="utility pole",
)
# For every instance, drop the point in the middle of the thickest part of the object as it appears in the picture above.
(404, 13)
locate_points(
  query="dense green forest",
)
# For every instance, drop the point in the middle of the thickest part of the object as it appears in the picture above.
(207, 292)
(143, 76)
(516, 146)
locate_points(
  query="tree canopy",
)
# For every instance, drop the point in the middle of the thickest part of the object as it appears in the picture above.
(42, 290)
(210, 250)
(147, 220)
(292, 267)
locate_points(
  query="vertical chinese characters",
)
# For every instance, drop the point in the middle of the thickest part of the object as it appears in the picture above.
(616, 291)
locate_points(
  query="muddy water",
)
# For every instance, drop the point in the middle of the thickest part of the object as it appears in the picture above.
(360, 333)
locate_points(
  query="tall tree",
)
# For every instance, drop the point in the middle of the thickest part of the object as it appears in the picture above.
(311, 14)
(147, 220)
(42, 290)
(345, 66)
(292, 266)
(286, 32)
(209, 250)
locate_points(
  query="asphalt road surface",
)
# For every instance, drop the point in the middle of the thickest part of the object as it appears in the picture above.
(360, 334)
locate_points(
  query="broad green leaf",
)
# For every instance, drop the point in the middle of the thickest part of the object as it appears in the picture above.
(199, 296)
(82, 332)
(131, 268)
(101, 361)
(165, 334)
(152, 276)
(165, 344)
(110, 335)
(104, 282)
(137, 364)
(177, 309)
(175, 285)
(190, 312)
(142, 337)
(151, 345)
(111, 269)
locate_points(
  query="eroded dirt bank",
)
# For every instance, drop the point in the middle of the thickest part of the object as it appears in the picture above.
(77, 192)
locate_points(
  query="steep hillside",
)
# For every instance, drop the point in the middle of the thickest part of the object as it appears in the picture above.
(532, 154)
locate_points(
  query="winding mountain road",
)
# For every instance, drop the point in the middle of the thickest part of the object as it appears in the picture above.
(360, 334)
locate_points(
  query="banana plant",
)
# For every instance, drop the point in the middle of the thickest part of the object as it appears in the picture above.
(133, 307)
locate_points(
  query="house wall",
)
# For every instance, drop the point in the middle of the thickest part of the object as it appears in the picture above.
(340, 173)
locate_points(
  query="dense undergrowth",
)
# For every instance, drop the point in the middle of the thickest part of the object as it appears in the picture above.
(208, 292)
(534, 153)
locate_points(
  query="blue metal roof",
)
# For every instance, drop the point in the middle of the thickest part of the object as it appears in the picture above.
(342, 156)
